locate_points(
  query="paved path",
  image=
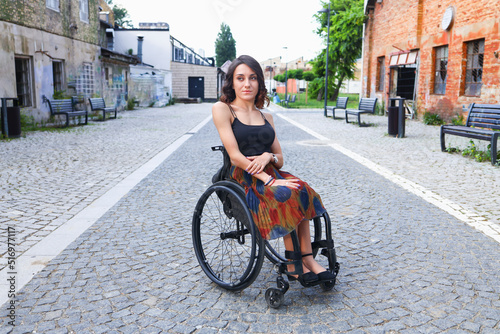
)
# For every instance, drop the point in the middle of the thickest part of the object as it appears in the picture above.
(406, 265)
(469, 188)
(48, 177)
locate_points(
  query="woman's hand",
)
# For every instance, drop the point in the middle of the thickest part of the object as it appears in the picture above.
(290, 183)
(258, 163)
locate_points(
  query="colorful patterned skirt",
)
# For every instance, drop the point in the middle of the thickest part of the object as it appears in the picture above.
(277, 210)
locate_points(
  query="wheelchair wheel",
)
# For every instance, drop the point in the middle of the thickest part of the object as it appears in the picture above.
(226, 242)
(275, 249)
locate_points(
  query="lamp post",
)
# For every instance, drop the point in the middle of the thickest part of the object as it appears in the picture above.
(324, 10)
(286, 73)
(270, 75)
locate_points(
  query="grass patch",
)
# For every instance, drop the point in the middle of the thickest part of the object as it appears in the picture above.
(312, 103)
(473, 152)
(432, 119)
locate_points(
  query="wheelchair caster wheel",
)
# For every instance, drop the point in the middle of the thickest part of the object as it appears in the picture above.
(274, 297)
(282, 284)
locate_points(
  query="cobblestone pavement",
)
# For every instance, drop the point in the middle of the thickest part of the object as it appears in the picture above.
(48, 177)
(473, 186)
(406, 265)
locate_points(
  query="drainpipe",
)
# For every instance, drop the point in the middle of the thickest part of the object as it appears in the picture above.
(140, 40)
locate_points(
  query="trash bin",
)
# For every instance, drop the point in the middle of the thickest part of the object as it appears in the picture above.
(10, 119)
(14, 121)
(396, 117)
(392, 120)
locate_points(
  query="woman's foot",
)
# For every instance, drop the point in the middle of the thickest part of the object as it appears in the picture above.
(323, 274)
(307, 275)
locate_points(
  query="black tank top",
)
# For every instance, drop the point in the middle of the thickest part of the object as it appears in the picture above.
(253, 139)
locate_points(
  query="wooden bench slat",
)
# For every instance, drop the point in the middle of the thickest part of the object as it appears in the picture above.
(66, 107)
(366, 106)
(98, 104)
(341, 103)
(482, 121)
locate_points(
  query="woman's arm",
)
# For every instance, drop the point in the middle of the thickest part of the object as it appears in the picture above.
(275, 147)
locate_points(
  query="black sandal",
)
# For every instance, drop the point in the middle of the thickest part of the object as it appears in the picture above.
(308, 277)
(323, 276)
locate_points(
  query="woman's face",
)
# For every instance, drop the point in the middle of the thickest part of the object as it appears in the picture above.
(245, 84)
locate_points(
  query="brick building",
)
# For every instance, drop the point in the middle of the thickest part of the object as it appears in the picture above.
(443, 54)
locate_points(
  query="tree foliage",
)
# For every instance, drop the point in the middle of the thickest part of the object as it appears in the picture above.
(122, 18)
(309, 76)
(296, 74)
(225, 45)
(346, 33)
(279, 77)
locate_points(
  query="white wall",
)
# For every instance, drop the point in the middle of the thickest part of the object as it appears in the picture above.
(156, 47)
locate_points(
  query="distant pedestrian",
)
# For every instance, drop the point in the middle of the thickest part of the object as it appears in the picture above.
(279, 202)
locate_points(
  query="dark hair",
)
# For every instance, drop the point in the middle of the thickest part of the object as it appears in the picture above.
(228, 94)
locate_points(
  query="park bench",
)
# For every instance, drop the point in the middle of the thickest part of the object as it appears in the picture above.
(288, 101)
(78, 101)
(65, 107)
(483, 123)
(366, 106)
(97, 104)
(340, 104)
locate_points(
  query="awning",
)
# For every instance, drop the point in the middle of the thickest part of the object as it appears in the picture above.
(403, 58)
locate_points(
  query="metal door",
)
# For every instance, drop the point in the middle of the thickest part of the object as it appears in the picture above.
(196, 87)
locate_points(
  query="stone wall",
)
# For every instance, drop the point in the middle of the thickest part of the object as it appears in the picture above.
(42, 48)
(65, 21)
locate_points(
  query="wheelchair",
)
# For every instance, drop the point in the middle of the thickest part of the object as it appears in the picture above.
(231, 251)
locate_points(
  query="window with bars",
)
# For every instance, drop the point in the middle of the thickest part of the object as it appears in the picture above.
(85, 82)
(23, 81)
(380, 74)
(440, 69)
(52, 4)
(474, 68)
(57, 75)
(84, 10)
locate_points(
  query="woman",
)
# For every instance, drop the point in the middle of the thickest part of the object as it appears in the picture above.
(278, 201)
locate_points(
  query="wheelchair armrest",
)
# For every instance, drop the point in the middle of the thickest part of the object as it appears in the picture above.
(218, 148)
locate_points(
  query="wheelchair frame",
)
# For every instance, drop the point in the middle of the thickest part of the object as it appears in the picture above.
(230, 249)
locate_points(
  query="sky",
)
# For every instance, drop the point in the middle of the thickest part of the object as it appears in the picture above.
(261, 28)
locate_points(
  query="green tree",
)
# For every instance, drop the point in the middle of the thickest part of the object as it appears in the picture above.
(346, 33)
(299, 74)
(279, 77)
(309, 76)
(225, 45)
(122, 17)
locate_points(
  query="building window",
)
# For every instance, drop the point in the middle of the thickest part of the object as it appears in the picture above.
(179, 54)
(380, 74)
(23, 81)
(84, 10)
(474, 69)
(57, 75)
(52, 4)
(85, 82)
(440, 69)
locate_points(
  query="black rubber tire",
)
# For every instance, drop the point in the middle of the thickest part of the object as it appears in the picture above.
(226, 242)
(274, 297)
